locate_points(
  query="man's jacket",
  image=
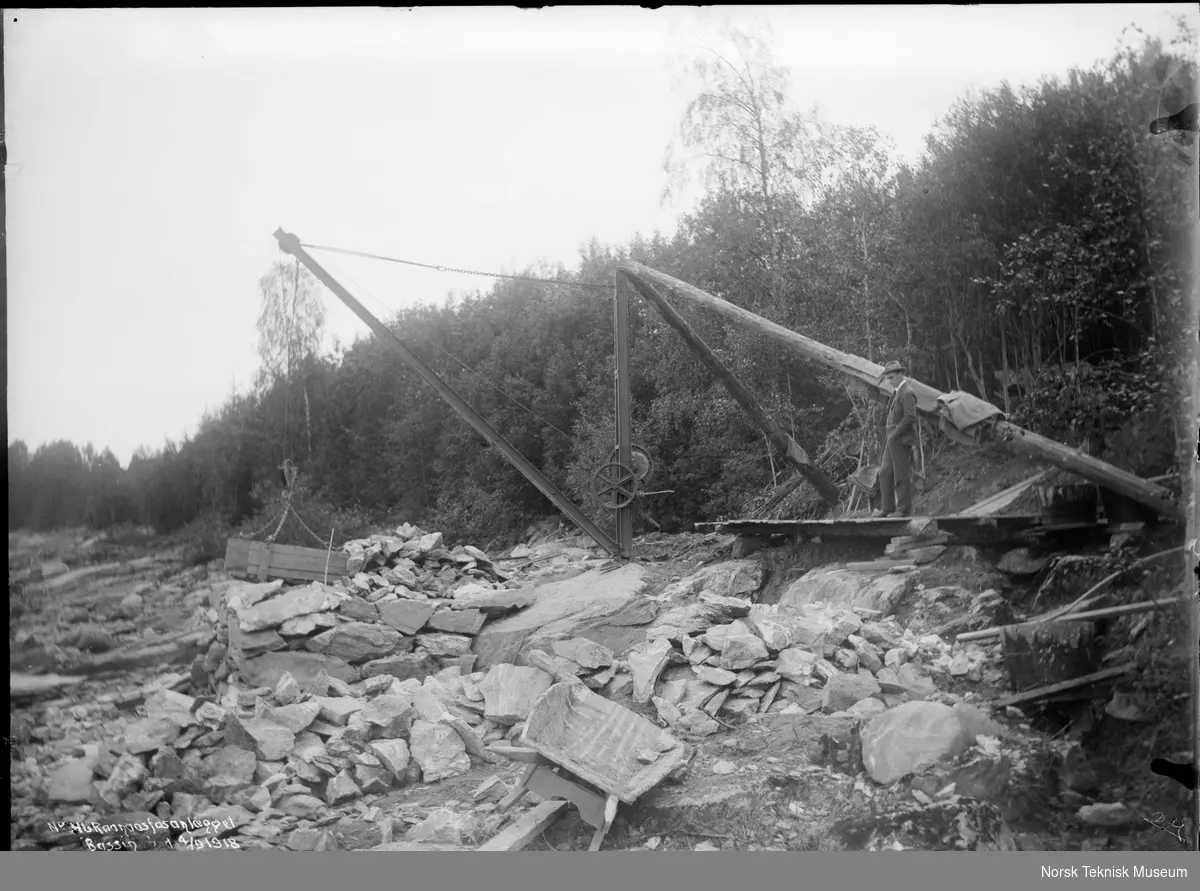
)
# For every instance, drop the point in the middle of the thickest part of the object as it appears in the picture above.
(902, 415)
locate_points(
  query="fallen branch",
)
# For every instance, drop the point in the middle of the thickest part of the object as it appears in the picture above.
(1104, 581)
(1125, 610)
(1082, 600)
(1063, 686)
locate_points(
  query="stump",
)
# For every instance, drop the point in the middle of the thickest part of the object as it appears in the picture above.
(1039, 654)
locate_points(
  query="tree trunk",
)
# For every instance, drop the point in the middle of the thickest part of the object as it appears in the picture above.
(1004, 359)
(308, 422)
(866, 290)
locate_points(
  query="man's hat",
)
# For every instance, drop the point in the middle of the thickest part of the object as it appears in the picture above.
(890, 367)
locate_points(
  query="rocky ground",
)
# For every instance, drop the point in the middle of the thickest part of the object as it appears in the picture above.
(158, 705)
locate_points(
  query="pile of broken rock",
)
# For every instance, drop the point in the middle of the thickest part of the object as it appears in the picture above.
(409, 608)
(274, 768)
(322, 695)
(722, 658)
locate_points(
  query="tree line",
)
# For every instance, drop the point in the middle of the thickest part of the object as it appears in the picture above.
(1032, 257)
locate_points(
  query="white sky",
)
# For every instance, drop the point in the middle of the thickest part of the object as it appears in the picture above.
(152, 154)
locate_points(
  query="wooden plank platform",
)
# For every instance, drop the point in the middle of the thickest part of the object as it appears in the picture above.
(964, 529)
(262, 561)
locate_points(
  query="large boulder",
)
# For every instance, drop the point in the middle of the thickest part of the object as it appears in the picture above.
(728, 579)
(560, 610)
(846, 589)
(911, 737)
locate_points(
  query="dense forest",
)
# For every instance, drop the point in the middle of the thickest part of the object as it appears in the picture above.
(1033, 257)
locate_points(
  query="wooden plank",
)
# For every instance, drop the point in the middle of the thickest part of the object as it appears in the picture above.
(238, 551)
(1007, 435)
(175, 649)
(1002, 499)
(912, 543)
(525, 828)
(519, 753)
(599, 741)
(518, 791)
(775, 434)
(1073, 684)
(20, 685)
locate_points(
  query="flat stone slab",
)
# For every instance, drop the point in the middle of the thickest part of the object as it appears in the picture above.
(559, 610)
(290, 604)
(495, 602)
(457, 621)
(407, 616)
(266, 670)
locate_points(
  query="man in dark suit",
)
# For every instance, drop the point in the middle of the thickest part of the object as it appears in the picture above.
(895, 470)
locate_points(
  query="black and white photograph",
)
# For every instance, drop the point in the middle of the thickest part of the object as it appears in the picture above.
(602, 428)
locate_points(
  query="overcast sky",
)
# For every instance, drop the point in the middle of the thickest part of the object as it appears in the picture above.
(152, 154)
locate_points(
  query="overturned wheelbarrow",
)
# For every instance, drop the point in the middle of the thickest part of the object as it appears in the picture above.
(594, 753)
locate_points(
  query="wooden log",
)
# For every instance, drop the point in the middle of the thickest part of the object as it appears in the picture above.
(32, 685)
(1040, 654)
(988, 633)
(1054, 689)
(778, 438)
(176, 650)
(1008, 435)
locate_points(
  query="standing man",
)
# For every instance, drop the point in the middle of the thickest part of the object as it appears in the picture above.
(895, 470)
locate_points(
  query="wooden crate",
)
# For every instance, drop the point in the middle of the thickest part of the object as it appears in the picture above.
(261, 561)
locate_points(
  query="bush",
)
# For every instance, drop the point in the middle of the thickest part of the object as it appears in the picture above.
(1118, 404)
(471, 515)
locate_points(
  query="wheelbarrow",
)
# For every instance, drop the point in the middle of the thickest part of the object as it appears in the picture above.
(592, 752)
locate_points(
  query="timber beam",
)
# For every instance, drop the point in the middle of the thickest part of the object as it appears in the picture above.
(1008, 435)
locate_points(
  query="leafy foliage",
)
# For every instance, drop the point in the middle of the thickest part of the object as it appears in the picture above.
(1033, 256)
